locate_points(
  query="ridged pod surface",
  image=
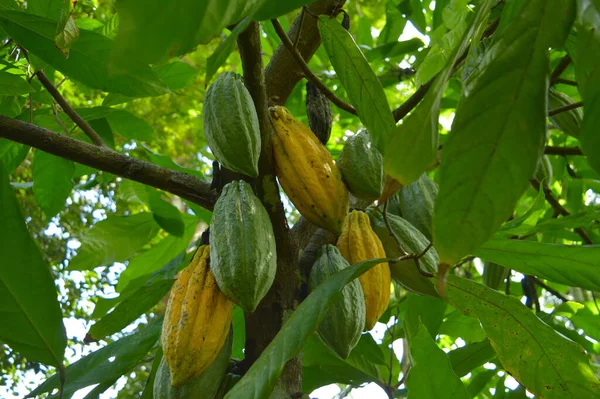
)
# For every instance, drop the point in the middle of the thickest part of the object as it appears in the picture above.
(242, 246)
(494, 275)
(413, 241)
(568, 122)
(359, 242)
(197, 321)
(307, 172)
(318, 111)
(343, 325)
(416, 203)
(543, 173)
(361, 165)
(206, 385)
(231, 124)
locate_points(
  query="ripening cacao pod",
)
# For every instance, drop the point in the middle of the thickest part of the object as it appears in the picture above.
(361, 165)
(416, 203)
(318, 111)
(206, 385)
(568, 122)
(231, 124)
(307, 172)
(242, 246)
(343, 325)
(412, 241)
(197, 321)
(359, 242)
(543, 173)
(494, 275)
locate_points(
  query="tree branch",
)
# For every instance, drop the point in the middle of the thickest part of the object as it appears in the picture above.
(106, 159)
(565, 82)
(79, 121)
(560, 68)
(565, 108)
(308, 73)
(549, 150)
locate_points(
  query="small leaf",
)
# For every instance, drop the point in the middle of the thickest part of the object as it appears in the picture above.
(165, 214)
(394, 49)
(545, 362)
(52, 181)
(270, 9)
(218, 58)
(177, 75)
(471, 356)
(12, 154)
(13, 85)
(130, 126)
(429, 310)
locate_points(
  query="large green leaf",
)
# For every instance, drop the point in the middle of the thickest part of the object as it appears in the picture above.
(275, 8)
(471, 356)
(114, 239)
(430, 310)
(151, 31)
(359, 80)
(483, 175)
(105, 364)
(431, 375)
(30, 313)
(52, 181)
(545, 362)
(13, 85)
(12, 154)
(50, 9)
(218, 58)
(259, 380)
(413, 145)
(573, 265)
(88, 56)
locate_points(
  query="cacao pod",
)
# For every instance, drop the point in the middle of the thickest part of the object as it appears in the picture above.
(228, 382)
(543, 173)
(307, 172)
(231, 124)
(206, 385)
(361, 165)
(359, 242)
(416, 203)
(318, 111)
(343, 325)
(197, 321)
(568, 122)
(412, 241)
(242, 246)
(494, 275)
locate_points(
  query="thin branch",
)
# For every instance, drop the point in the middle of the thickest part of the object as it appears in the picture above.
(560, 68)
(549, 289)
(79, 121)
(108, 160)
(307, 72)
(549, 150)
(565, 82)
(565, 108)
(392, 354)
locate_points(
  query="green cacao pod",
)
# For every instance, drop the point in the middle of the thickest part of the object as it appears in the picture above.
(205, 385)
(307, 172)
(197, 321)
(361, 165)
(358, 242)
(568, 122)
(416, 203)
(242, 246)
(318, 111)
(231, 124)
(494, 275)
(228, 382)
(413, 241)
(343, 325)
(543, 173)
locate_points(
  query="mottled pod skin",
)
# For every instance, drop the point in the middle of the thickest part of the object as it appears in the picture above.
(318, 111)
(344, 322)
(197, 321)
(231, 124)
(243, 256)
(357, 243)
(307, 172)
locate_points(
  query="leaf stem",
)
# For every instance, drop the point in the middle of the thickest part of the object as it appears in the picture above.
(565, 108)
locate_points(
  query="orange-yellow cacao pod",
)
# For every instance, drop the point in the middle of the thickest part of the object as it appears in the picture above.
(307, 172)
(197, 320)
(359, 242)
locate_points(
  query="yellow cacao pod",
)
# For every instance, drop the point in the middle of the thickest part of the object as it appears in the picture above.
(197, 321)
(359, 242)
(307, 173)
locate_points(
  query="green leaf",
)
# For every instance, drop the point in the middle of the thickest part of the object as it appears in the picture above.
(30, 312)
(177, 75)
(359, 80)
(165, 214)
(479, 381)
(545, 362)
(88, 57)
(457, 325)
(218, 58)
(148, 392)
(259, 380)
(394, 49)
(270, 9)
(52, 181)
(153, 31)
(526, 223)
(50, 9)
(471, 356)
(417, 15)
(13, 85)
(482, 176)
(12, 154)
(583, 219)
(239, 333)
(129, 310)
(573, 265)
(413, 145)
(105, 364)
(130, 126)
(114, 239)
(431, 374)
(428, 309)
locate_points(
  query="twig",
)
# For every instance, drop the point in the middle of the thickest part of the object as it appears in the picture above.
(565, 82)
(101, 157)
(565, 108)
(307, 71)
(550, 289)
(560, 68)
(393, 332)
(79, 121)
(507, 286)
(549, 150)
